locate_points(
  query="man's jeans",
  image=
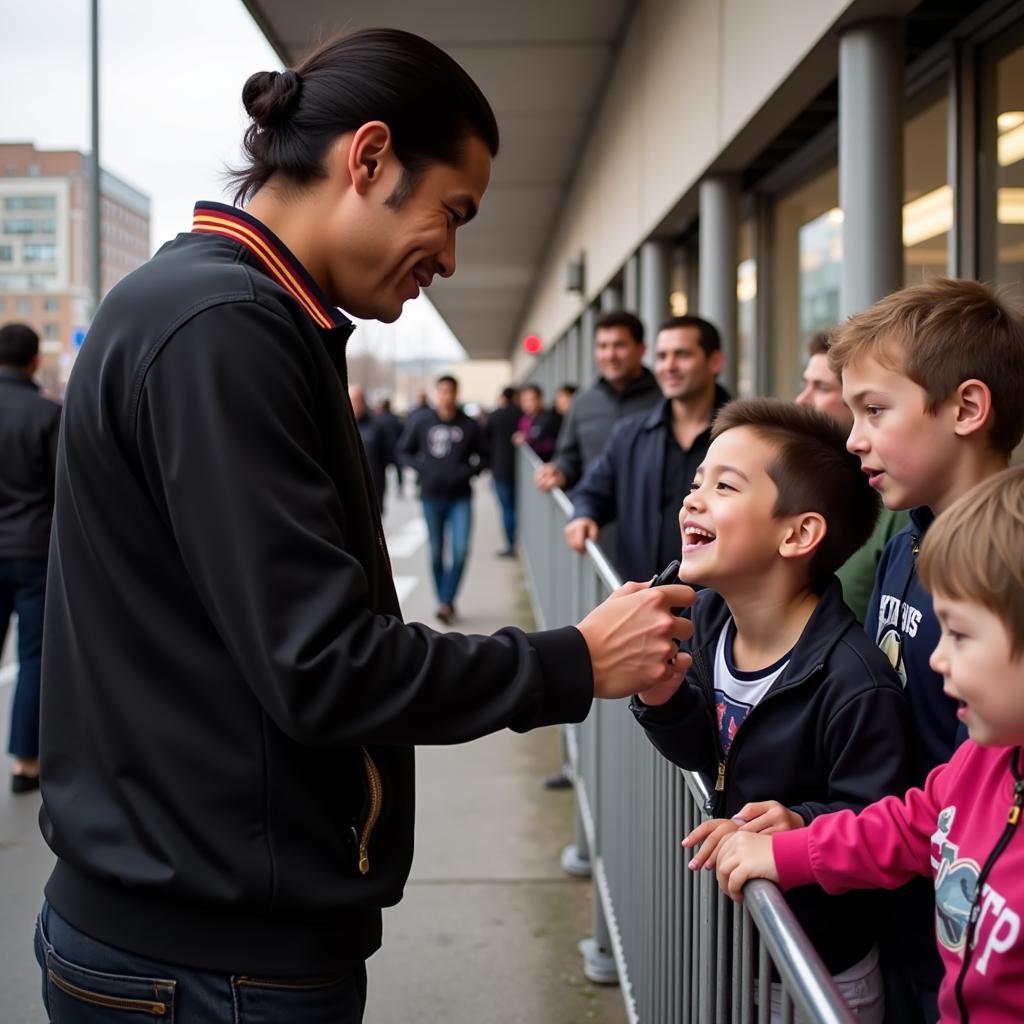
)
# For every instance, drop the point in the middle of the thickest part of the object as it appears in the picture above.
(88, 982)
(22, 590)
(451, 520)
(506, 492)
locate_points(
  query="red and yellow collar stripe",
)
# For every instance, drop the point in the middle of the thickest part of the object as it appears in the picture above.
(273, 254)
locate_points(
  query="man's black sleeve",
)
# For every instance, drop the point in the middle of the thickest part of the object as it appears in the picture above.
(595, 495)
(231, 449)
(568, 456)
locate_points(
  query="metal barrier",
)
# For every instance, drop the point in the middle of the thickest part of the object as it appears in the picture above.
(682, 952)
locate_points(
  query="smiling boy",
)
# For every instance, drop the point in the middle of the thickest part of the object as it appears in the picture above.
(789, 710)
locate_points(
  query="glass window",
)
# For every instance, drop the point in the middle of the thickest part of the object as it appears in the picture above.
(6, 253)
(41, 252)
(19, 226)
(51, 305)
(1001, 209)
(927, 196)
(3, 304)
(746, 310)
(51, 330)
(808, 252)
(30, 203)
(24, 305)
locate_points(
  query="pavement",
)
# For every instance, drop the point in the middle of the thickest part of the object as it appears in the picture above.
(487, 932)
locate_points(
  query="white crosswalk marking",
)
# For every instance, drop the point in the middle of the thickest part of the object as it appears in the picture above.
(404, 586)
(409, 539)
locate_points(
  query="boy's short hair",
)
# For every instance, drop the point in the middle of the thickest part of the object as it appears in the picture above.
(535, 388)
(447, 378)
(813, 472)
(939, 334)
(973, 551)
(19, 345)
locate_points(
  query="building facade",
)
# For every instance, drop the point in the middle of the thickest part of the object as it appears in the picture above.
(44, 239)
(776, 167)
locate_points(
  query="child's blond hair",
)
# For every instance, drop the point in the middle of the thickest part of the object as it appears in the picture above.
(974, 551)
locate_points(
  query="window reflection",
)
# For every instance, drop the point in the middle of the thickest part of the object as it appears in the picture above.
(928, 197)
(746, 320)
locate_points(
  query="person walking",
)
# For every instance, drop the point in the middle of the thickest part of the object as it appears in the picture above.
(501, 425)
(29, 425)
(230, 698)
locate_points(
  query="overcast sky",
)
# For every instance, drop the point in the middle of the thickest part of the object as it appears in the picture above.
(171, 77)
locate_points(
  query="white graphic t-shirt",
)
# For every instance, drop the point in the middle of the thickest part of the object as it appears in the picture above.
(737, 692)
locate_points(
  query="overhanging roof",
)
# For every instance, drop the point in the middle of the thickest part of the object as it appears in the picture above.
(542, 64)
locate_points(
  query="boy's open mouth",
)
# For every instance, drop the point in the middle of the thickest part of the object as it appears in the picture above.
(696, 536)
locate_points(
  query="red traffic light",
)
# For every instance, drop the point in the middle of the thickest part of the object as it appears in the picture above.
(532, 344)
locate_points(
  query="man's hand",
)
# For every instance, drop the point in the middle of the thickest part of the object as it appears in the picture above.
(579, 531)
(632, 638)
(767, 816)
(548, 477)
(743, 856)
(518, 438)
(710, 834)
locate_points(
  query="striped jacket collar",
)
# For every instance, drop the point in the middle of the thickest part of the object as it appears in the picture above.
(273, 255)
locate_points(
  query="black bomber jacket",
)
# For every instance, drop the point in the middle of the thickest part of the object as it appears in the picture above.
(230, 697)
(831, 733)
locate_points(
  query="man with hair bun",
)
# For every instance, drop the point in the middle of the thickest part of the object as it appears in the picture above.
(230, 696)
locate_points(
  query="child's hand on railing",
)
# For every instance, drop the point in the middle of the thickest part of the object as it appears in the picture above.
(767, 816)
(743, 856)
(709, 834)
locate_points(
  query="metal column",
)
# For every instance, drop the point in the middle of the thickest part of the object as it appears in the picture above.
(654, 278)
(719, 250)
(871, 77)
(586, 364)
(611, 299)
(631, 284)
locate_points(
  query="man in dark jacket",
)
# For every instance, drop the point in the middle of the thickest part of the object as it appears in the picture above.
(29, 425)
(446, 448)
(230, 697)
(376, 441)
(501, 424)
(624, 386)
(640, 479)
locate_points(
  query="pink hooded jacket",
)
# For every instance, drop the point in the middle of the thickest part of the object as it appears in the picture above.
(949, 830)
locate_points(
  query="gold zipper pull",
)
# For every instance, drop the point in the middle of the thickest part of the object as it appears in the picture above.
(364, 860)
(720, 781)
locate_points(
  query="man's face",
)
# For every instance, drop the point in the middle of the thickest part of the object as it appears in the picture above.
(529, 401)
(908, 453)
(618, 354)
(980, 672)
(823, 391)
(563, 402)
(403, 247)
(684, 370)
(728, 530)
(445, 397)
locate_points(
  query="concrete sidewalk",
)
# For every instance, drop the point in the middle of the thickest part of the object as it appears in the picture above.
(487, 932)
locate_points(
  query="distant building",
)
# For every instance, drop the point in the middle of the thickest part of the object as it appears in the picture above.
(44, 245)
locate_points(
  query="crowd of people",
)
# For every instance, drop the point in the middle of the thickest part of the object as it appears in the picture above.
(230, 697)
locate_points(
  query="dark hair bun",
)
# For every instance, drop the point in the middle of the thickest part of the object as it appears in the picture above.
(270, 96)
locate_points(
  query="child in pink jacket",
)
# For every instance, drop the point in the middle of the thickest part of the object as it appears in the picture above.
(963, 828)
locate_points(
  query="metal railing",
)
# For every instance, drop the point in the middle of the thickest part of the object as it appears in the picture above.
(682, 952)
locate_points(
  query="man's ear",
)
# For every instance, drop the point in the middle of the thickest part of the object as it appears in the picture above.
(717, 361)
(972, 407)
(805, 532)
(367, 155)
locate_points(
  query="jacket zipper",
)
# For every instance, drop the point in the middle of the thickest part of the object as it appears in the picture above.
(723, 762)
(376, 801)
